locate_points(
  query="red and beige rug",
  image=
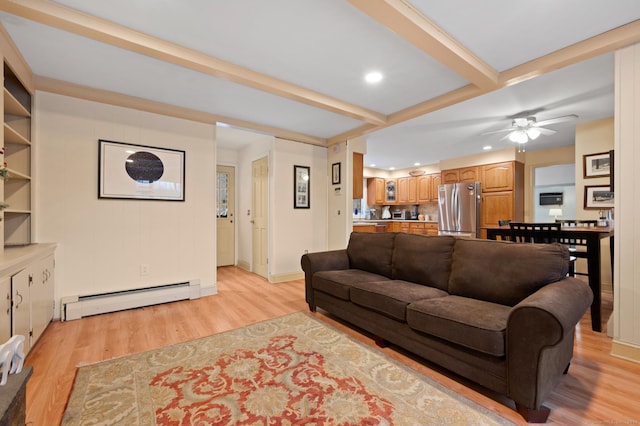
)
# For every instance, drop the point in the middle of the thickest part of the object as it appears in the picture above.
(293, 370)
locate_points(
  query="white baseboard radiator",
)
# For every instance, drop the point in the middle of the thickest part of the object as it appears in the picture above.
(76, 307)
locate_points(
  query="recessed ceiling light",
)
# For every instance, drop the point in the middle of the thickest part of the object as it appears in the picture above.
(392, 168)
(373, 77)
(416, 164)
(487, 148)
(372, 165)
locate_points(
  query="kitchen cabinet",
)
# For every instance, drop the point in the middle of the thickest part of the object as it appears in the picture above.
(407, 188)
(498, 206)
(498, 176)
(375, 191)
(425, 188)
(390, 191)
(464, 174)
(450, 176)
(469, 174)
(358, 180)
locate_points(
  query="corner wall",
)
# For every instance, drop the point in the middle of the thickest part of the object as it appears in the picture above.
(626, 300)
(103, 242)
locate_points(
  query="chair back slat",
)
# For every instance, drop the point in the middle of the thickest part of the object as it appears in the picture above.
(541, 233)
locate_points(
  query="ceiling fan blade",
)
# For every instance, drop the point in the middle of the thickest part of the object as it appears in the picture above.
(556, 120)
(497, 131)
(546, 132)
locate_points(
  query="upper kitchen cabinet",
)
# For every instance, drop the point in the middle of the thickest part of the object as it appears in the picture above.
(464, 174)
(450, 176)
(17, 160)
(427, 188)
(375, 191)
(406, 189)
(390, 191)
(500, 176)
(358, 171)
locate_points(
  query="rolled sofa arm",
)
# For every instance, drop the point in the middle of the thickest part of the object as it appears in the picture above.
(321, 261)
(540, 334)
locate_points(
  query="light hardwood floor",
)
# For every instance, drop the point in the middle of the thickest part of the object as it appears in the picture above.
(598, 389)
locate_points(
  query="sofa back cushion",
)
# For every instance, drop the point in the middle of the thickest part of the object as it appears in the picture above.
(371, 252)
(505, 272)
(423, 259)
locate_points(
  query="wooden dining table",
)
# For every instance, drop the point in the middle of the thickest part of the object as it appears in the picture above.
(592, 237)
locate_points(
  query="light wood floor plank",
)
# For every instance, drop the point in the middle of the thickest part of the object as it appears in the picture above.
(598, 388)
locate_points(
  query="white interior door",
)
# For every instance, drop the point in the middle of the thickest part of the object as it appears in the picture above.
(225, 216)
(260, 184)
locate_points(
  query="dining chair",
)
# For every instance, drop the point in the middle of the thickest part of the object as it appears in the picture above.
(540, 233)
(577, 246)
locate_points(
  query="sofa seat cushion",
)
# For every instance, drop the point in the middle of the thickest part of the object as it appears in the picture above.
(472, 323)
(391, 297)
(338, 283)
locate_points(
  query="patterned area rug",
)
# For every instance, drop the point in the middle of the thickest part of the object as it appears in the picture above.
(292, 370)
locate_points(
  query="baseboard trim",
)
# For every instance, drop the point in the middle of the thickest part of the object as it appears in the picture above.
(244, 265)
(625, 351)
(286, 277)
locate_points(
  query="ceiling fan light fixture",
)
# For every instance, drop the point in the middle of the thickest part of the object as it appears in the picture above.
(518, 136)
(533, 133)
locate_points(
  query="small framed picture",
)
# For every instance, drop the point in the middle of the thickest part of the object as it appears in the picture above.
(335, 173)
(301, 187)
(596, 165)
(598, 197)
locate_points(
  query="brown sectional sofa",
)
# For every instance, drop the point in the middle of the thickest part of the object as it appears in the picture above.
(498, 313)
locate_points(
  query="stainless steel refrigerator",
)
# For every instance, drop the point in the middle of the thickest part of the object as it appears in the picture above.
(459, 209)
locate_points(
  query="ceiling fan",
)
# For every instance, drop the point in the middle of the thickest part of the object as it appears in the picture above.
(524, 129)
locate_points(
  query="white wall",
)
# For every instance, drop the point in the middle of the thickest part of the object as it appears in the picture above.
(292, 231)
(103, 242)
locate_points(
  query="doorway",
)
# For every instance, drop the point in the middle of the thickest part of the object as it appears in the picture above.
(225, 216)
(259, 219)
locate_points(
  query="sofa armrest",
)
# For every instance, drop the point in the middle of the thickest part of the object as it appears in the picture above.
(540, 334)
(321, 261)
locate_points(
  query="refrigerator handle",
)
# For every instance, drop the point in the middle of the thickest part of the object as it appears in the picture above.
(455, 203)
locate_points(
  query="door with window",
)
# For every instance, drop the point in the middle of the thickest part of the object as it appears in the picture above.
(225, 216)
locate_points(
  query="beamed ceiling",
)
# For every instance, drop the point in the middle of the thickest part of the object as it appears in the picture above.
(453, 69)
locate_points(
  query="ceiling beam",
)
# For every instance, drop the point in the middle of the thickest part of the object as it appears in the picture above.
(59, 87)
(67, 19)
(410, 24)
(609, 41)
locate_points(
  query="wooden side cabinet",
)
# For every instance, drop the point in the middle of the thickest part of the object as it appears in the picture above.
(425, 188)
(358, 180)
(407, 188)
(435, 184)
(498, 177)
(450, 176)
(375, 191)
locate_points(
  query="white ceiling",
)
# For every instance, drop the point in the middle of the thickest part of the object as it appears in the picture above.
(320, 50)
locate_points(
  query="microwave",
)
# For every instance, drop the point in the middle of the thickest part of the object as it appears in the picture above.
(400, 214)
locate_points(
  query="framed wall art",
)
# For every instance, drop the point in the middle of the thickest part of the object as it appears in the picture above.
(598, 197)
(301, 187)
(140, 172)
(596, 165)
(335, 173)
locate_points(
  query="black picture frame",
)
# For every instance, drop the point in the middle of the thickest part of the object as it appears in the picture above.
(335, 173)
(140, 172)
(598, 197)
(301, 187)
